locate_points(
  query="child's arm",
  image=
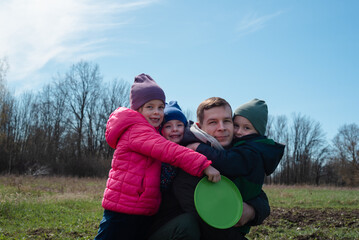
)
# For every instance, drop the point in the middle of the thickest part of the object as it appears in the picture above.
(233, 162)
(193, 146)
(212, 173)
(146, 141)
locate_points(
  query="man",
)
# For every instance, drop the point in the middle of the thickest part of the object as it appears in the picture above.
(215, 127)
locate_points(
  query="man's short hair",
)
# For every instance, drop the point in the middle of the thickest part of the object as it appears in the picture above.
(208, 104)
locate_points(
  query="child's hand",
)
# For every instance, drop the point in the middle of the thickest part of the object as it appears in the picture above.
(193, 146)
(212, 173)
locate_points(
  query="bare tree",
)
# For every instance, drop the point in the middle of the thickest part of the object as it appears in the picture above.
(115, 94)
(61, 127)
(49, 112)
(277, 129)
(8, 130)
(7, 123)
(318, 163)
(4, 95)
(4, 67)
(346, 145)
(306, 140)
(330, 172)
(22, 122)
(82, 85)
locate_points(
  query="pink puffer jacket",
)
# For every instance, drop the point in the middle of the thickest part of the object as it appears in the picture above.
(133, 186)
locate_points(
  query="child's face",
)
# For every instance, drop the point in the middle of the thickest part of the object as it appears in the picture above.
(243, 127)
(173, 130)
(153, 112)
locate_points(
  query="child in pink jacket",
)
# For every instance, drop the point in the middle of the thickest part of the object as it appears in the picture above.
(132, 191)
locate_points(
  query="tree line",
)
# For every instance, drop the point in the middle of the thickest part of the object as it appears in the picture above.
(60, 130)
(309, 158)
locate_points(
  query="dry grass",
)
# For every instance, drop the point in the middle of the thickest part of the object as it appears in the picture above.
(25, 188)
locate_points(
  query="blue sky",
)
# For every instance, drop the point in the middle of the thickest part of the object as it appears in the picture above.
(298, 56)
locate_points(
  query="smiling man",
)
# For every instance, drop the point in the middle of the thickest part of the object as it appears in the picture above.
(214, 127)
(214, 117)
(246, 160)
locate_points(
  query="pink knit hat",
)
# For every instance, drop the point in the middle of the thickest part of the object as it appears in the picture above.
(145, 89)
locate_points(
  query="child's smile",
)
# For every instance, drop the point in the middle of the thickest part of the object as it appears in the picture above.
(153, 112)
(173, 130)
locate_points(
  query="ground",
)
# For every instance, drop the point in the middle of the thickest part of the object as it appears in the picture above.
(322, 221)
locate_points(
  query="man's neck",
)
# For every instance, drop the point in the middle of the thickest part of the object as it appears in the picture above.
(205, 137)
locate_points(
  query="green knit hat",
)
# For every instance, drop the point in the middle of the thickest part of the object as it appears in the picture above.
(256, 112)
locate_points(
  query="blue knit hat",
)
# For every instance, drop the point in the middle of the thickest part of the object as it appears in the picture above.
(174, 112)
(143, 90)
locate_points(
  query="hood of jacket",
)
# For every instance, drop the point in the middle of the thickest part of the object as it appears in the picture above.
(271, 151)
(119, 121)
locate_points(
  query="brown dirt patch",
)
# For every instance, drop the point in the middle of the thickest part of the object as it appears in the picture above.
(305, 224)
(298, 217)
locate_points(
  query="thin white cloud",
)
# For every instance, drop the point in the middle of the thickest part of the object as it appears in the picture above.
(252, 23)
(33, 33)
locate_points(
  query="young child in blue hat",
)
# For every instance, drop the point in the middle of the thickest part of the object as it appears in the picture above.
(186, 224)
(173, 127)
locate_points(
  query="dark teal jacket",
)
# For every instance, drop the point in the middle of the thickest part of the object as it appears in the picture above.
(251, 158)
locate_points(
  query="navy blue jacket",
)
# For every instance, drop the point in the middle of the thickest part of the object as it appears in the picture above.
(251, 158)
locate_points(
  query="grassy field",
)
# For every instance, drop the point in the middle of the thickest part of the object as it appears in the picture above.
(70, 208)
(303, 212)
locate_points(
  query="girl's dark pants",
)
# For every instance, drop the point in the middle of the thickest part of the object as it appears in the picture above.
(116, 225)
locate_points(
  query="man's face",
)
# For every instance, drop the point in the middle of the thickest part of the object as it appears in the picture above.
(218, 123)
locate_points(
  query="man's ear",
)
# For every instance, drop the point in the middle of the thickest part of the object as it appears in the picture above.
(198, 125)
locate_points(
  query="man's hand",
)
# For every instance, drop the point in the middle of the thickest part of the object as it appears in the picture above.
(247, 215)
(193, 146)
(212, 173)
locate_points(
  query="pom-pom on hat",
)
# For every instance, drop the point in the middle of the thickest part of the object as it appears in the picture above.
(174, 112)
(145, 89)
(256, 111)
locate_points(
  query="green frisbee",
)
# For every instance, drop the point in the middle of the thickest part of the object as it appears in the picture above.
(219, 204)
